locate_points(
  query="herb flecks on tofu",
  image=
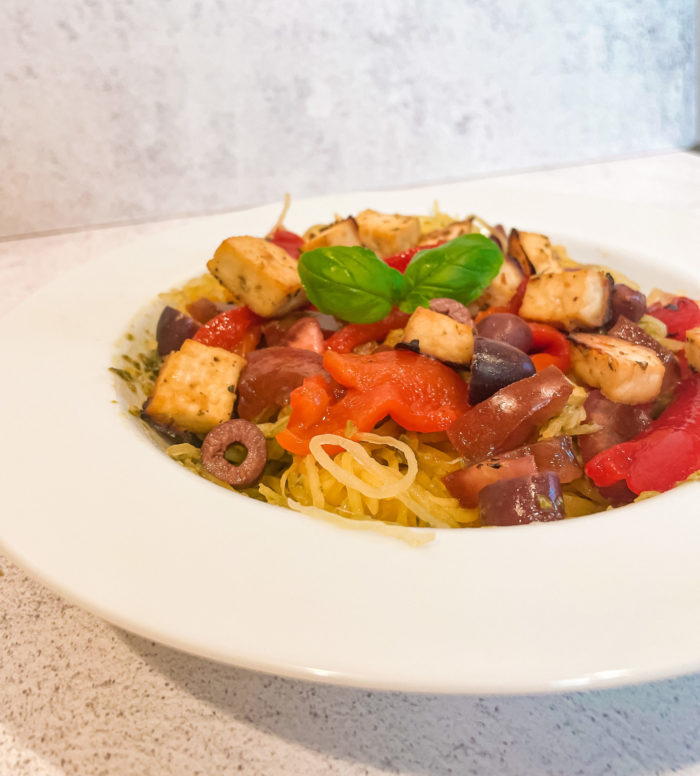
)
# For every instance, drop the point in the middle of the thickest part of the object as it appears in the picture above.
(258, 274)
(387, 234)
(193, 389)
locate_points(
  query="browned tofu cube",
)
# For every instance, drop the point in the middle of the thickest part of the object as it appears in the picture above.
(533, 250)
(624, 372)
(439, 336)
(196, 387)
(574, 299)
(387, 234)
(343, 232)
(504, 286)
(449, 232)
(692, 347)
(259, 274)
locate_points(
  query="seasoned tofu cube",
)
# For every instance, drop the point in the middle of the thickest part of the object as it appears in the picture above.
(340, 233)
(503, 287)
(259, 274)
(449, 232)
(386, 234)
(624, 372)
(439, 336)
(574, 299)
(196, 387)
(533, 250)
(692, 347)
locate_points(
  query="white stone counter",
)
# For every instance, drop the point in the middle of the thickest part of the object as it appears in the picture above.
(80, 696)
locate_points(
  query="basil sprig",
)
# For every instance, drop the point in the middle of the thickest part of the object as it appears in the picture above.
(353, 284)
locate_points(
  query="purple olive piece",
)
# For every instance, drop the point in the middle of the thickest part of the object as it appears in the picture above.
(505, 327)
(220, 438)
(519, 500)
(495, 365)
(628, 302)
(173, 329)
(456, 310)
(203, 309)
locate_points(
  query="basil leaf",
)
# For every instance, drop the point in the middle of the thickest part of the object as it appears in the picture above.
(460, 269)
(351, 283)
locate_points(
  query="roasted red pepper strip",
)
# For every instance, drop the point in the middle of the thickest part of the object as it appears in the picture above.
(679, 315)
(665, 453)
(518, 296)
(228, 329)
(290, 241)
(419, 393)
(401, 260)
(549, 346)
(355, 334)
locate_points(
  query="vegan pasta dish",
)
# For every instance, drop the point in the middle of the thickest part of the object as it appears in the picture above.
(422, 371)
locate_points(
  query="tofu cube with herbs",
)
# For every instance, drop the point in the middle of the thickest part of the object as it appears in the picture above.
(533, 250)
(625, 372)
(387, 234)
(439, 336)
(343, 232)
(574, 299)
(196, 387)
(258, 274)
(692, 347)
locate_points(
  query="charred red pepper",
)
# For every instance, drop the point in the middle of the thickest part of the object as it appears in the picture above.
(679, 315)
(355, 334)
(290, 241)
(419, 393)
(228, 329)
(549, 347)
(665, 453)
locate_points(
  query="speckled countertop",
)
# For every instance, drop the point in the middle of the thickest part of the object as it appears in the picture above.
(80, 696)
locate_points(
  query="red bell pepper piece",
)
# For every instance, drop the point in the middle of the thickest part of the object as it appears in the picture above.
(355, 334)
(290, 241)
(401, 260)
(518, 296)
(665, 453)
(228, 329)
(419, 393)
(679, 315)
(549, 346)
(512, 307)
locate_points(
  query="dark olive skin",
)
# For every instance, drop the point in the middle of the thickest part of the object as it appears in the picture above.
(505, 327)
(628, 302)
(173, 329)
(519, 500)
(495, 365)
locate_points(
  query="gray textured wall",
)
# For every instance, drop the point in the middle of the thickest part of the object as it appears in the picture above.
(121, 109)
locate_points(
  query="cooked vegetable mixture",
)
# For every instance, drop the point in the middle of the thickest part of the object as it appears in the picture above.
(425, 371)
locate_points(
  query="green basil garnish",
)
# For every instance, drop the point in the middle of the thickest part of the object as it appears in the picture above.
(351, 283)
(355, 285)
(460, 269)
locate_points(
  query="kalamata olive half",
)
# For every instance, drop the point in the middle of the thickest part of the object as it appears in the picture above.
(173, 329)
(527, 499)
(628, 302)
(505, 327)
(495, 365)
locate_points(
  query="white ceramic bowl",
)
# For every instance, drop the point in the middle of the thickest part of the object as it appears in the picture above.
(97, 512)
